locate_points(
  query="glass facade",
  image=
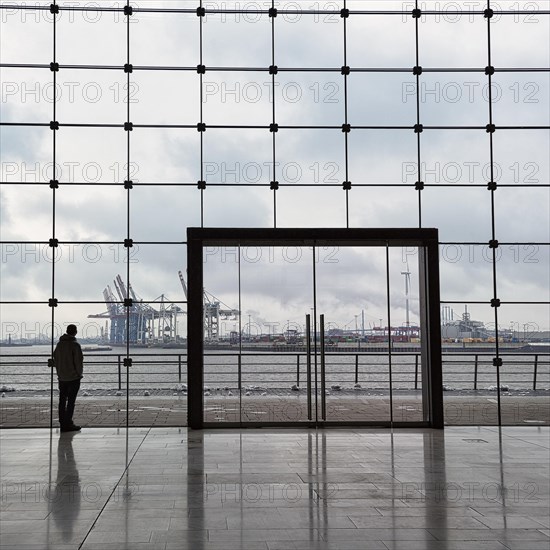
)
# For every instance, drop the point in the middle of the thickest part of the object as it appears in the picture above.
(124, 124)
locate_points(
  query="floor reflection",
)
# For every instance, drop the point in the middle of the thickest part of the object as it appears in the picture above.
(461, 488)
(65, 494)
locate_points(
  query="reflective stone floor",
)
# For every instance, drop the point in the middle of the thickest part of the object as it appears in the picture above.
(271, 489)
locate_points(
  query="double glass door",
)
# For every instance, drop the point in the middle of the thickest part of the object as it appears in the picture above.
(311, 334)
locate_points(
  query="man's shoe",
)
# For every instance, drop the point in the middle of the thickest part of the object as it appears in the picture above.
(72, 428)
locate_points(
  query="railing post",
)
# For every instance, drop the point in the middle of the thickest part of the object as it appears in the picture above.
(357, 368)
(179, 368)
(535, 372)
(416, 371)
(475, 371)
(119, 374)
(239, 374)
(298, 369)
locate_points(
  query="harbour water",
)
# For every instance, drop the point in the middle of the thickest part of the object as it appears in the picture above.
(26, 369)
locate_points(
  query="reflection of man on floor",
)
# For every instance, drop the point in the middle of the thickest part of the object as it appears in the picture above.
(66, 494)
(68, 360)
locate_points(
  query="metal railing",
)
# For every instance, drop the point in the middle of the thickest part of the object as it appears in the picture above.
(272, 370)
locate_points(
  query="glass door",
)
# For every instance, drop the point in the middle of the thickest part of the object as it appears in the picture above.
(313, 332)
(351, 304)
(276, 295)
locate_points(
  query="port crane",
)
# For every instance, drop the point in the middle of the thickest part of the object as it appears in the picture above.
(141, 323)
(214, 311)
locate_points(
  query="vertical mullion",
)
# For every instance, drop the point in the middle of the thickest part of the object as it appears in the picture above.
(201, 113)
(273, 113)
(127, 294)
(418, 149)
(346, 134)
(53, 185)
(493, 225)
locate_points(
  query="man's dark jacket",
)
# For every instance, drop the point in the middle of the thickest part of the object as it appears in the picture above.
(68, 359)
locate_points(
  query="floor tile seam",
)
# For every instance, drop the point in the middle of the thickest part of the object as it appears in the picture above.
(502, 430)
(114, 488)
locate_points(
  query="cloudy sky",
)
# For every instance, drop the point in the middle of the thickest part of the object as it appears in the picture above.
(277, 290)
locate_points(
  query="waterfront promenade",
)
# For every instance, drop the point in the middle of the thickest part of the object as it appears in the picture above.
(171, 410)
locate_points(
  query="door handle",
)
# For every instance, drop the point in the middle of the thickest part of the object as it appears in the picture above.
(322, 343)
(308, 365)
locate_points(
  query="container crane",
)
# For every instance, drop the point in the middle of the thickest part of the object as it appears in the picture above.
(137, 323)
(213, 312)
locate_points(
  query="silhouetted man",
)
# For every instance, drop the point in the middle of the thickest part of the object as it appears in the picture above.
(68, 360)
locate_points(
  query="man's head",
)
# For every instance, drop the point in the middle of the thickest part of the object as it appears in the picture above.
(71, 330)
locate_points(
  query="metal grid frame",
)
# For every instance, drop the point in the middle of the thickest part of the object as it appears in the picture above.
(204, 9)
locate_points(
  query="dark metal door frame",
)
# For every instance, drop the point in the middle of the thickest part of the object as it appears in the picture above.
(425, 239)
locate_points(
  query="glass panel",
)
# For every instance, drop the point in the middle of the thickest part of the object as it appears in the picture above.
(104, 373)
(26, 272)
(237, 39)
(25, 155)
(371, 45)
(167, 155)
(24, 214)
(453, 40)
(102, 212)
(469, 376)
(448, 209)
(92, 97)
(466, 271)
(303, 30)
(455, 156)
(383, 156)
(523, 273)
(383, 207)
(520, 99)
(92, 155)
(454, 99)
(308, 99)
(351, 293)
(238, 156)
(26, 336)
(237, 98)
(229, 206)
(27, 94)
(406, 332)
(106, 30)
(368, 107)
(154, 272)
(525, 371)
(176, 38)
(30, 27)
(83, 270)
(378, 5)
(521, 156)
(326, 207)
(513, 206)
(179, 205)
(162, 97)
(512, 37)
(310, 156)
(223, 326)
(276, 295)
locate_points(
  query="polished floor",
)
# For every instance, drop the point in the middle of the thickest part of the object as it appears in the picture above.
(464, 488)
